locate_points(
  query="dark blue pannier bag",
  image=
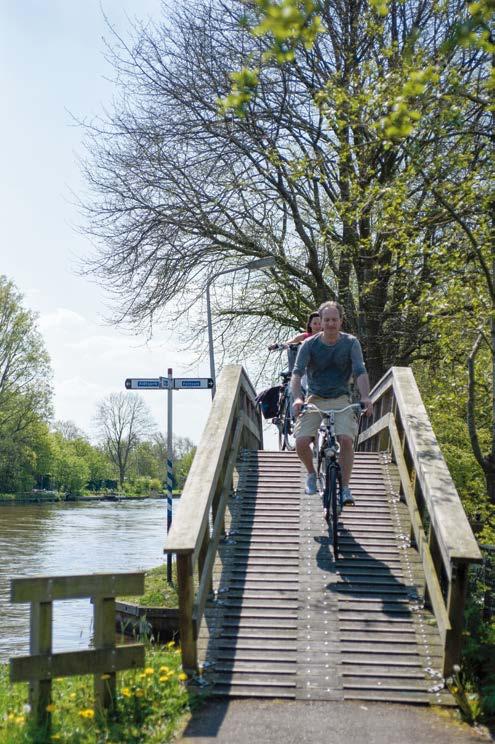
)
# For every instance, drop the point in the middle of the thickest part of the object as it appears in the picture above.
(268, 401)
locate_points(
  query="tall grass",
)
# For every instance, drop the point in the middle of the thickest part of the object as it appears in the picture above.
(150, 703)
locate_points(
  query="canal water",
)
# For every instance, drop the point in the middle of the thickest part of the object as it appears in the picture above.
(72, 538)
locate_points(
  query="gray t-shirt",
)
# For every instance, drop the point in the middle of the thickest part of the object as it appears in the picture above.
(329, 366)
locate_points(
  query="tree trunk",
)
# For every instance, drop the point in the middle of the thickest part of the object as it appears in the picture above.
(489, 472)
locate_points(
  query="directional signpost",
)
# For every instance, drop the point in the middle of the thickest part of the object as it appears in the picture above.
(169, 384)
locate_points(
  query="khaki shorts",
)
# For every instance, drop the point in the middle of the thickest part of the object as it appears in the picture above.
(346, 424)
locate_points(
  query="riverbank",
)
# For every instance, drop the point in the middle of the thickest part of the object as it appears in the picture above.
(53, 497)
(77, 538)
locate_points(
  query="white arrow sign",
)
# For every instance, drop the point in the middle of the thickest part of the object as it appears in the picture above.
(193, 383)
(146, 383)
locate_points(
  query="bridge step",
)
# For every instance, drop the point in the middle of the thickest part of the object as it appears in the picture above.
(293, 623)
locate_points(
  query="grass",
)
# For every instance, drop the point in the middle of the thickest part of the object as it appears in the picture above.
(151, 703)
(157, 592)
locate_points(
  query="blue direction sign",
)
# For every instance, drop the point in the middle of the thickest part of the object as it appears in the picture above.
(146, 383)
(193, 383)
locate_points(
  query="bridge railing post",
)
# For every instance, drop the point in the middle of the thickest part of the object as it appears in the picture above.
(456, 601)
(185, 586)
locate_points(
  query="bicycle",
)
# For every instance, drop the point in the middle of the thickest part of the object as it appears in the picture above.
(328, 472)
(285, 421)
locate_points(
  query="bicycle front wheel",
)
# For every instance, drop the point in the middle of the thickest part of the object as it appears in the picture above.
(333, 512)
(289, 438)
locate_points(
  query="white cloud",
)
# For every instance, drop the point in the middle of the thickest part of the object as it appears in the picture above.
(61, 318)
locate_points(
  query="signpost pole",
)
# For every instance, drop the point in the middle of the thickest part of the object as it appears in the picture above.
(179, 383)
(169, 467)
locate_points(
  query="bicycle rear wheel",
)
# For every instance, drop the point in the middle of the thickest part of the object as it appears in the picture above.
(333, 512)
(286, 439)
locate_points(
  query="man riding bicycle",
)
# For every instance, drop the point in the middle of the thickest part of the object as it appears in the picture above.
(329, 358)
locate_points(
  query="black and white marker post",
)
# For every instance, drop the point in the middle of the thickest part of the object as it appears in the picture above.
(170, 384)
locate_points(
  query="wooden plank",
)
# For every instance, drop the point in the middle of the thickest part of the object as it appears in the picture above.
(49, 588)
(71, 663)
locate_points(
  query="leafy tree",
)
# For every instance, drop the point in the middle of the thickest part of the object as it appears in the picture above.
(25, 392)
(150, 459)
(122, 420)
(182, 467)
(315, 172)
(69, 471)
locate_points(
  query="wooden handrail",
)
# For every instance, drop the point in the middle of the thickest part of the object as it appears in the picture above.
(439, 525)
(234, 422)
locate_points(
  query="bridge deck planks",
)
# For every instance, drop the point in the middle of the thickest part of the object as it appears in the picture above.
(290, 622)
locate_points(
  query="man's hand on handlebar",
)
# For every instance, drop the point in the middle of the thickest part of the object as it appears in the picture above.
(367, 406)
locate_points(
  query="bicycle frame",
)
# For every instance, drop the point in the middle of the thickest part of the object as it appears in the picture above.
(328, 451)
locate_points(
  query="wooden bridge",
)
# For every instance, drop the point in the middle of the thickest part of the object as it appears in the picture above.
(265, 611)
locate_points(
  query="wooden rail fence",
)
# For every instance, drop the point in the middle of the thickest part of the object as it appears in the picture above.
(439, 526)
(42, 665)
(234, 422)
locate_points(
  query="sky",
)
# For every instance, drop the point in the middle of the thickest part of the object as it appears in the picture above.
(53, 69)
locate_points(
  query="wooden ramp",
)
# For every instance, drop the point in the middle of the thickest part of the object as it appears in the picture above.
(288, 621)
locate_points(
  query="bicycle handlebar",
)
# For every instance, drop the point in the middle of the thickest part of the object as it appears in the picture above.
(354, 406)
(282, 347)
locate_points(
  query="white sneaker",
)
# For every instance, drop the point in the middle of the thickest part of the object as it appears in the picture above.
(311, 484)
(346, 497)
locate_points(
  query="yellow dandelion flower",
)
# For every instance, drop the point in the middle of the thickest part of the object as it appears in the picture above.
(163, 678)
(87, 713)
(72, 696)
(20, 719)
(10, 717)
(55, 737)
(149, 671)
(139, 693)
(105, 676)
(164, 669)
(170, 644)
(50, 708)
(182, 676)
(126, 692)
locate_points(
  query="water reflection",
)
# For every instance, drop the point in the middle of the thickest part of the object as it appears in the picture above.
(71, 538)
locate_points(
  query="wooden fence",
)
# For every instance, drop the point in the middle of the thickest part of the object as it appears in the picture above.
(42, 665)
(234, 422)
(439, 526)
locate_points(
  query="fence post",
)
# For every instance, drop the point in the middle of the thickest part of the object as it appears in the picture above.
(40, 643)
(104, 637)
(104, 661)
